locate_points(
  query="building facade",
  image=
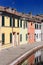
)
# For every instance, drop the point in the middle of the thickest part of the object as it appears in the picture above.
(31, 32)
(37, 39)
(23, 31)
(9, 27)
(31, 39)
(37, 32)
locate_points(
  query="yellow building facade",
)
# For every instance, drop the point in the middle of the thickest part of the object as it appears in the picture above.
(7, 28)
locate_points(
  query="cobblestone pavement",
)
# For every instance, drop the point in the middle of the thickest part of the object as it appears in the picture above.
(10, 54)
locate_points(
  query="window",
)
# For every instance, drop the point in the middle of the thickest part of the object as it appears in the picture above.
(26, 36)
(3, 39)
(16, 22)
(10, 21)
(20, 37)
(10, 37)
(20, 23)
(2, 20)
(36, 26)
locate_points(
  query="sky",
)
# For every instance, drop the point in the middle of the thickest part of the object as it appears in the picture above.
(26, 6)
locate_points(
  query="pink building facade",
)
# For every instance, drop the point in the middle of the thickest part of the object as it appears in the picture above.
(31, 39)
(31, 32)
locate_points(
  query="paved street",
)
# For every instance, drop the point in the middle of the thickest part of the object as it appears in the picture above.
(7, 56)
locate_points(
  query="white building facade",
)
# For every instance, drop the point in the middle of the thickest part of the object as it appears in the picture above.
(37, 39)
(37, 32)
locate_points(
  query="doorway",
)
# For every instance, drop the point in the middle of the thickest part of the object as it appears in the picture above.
(15, 39)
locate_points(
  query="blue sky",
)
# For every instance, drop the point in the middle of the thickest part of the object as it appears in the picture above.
(26, 6)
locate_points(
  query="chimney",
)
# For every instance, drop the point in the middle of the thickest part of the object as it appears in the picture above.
(30, 14)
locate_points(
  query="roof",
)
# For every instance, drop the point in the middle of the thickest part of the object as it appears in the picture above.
(7, 56)
(34, 20)
(12, 11)
(38, 17)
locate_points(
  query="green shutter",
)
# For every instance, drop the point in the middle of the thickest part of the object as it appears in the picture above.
(10, 21)
(35, 26)
(2, 20)
(26, 36)
(3, 38)
(40, 26)
(20, 23)
(10, 37)
(20, 37)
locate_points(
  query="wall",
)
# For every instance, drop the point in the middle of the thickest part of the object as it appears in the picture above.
(6, 31)
(38, 31)
(42, 31)
(23, 31)
(31, 32)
